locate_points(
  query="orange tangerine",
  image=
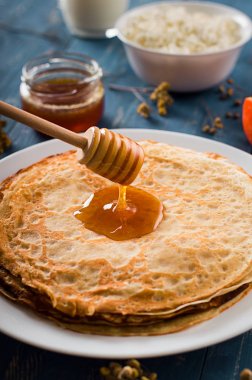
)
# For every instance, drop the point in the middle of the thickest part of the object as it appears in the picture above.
(247, 118)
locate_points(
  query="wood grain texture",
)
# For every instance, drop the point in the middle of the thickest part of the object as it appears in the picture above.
(31, 27)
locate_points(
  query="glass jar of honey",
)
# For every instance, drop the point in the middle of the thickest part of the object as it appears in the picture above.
(64, 88)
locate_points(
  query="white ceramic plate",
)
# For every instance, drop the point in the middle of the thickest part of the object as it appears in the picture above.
(22, 324)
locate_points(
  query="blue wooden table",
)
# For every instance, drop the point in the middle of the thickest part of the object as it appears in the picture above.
(31, 27)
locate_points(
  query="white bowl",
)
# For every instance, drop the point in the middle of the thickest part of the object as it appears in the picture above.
(185, 72)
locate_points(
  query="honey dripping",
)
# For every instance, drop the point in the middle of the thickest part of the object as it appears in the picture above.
(121, 212)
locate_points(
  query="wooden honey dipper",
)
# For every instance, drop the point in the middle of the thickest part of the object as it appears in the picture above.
(106, 153)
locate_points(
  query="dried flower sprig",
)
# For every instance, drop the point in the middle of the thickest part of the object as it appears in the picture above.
(132, 370)
(229, 92)
(159, 95)
(237, 102)
(5, 141)
(226, 91)
(144, 110)
(213, 124)
(233, 115)
(162, 98)
(246, 374)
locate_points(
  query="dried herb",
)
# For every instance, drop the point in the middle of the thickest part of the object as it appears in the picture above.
(159, 96)
(236, 115)
(5, 141)
(230, 92)
(131, 370)
(213, 123)
(226, 91)
(229, 115)
(162, 98)
(144, 110)
(212, 131)
(206, 128)
(230, 80)
(237, 102)
(246, 374)
(217, 123)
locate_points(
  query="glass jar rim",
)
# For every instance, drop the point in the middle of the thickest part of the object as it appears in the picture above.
(45, 61)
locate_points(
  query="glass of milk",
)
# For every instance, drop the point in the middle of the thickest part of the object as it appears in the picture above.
(92, 18)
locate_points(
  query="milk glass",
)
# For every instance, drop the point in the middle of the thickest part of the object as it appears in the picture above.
(92, 18)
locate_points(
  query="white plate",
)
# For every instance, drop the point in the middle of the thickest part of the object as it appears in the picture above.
(22, 324)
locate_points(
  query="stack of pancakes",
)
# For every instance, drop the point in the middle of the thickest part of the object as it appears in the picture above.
(193, 266)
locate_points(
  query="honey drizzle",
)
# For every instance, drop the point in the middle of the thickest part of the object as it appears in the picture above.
(121, 212)
(122, 202)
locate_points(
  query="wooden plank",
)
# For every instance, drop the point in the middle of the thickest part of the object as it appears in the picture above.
(23, 362)
(41, 19)
(225, 361)
(10, 11)
(30, 27)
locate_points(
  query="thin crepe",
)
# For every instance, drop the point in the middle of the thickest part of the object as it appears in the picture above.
(201, 250)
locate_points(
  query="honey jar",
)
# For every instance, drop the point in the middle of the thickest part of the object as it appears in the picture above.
(64, 88)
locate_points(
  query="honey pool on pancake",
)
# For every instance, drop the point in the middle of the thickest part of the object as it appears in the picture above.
(121, 212)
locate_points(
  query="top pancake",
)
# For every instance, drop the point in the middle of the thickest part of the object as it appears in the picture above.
(202, 246)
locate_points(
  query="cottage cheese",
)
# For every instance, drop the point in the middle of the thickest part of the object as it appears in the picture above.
(176, 30)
